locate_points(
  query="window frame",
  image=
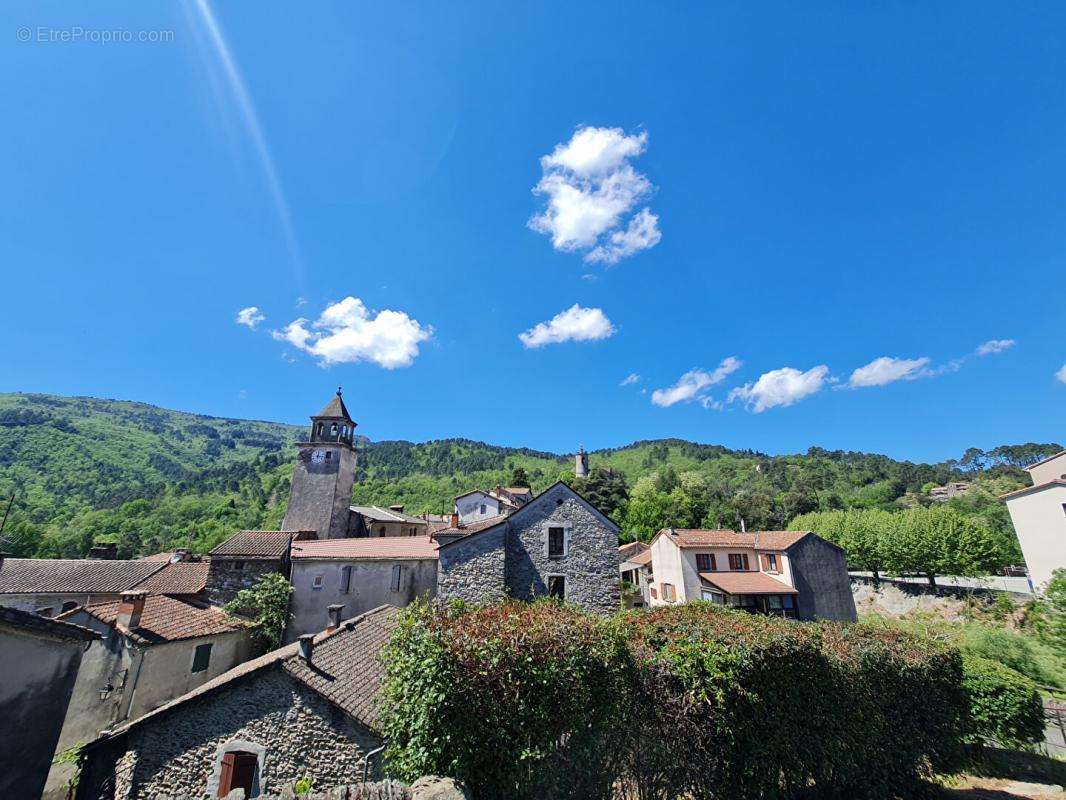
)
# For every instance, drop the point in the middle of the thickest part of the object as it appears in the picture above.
(669, 592)
(346, 579)
(708, 558)
(196, 654)
(317, 581)
(738, 562)
(548, 579)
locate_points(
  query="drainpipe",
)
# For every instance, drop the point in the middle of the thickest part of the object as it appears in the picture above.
(368, 756)
(139, 654)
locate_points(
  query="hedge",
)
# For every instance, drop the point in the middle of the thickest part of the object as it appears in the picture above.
(1005, 706)
(543, 701)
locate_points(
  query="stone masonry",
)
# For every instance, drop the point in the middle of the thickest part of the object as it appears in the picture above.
(512, 557)
(224, 579)
(297, 730)
(474, 569)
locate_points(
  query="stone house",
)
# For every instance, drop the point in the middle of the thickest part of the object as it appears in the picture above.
(795, 574)
(50, 586)
(306, 709)
(391, 521)
(557, 544)
(357, 575)
(478, 505)
(39, 659)
(245, 557)
(153, 648)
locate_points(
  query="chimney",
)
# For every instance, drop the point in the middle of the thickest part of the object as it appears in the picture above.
(743, 527)
(130, 609)
(455, 519)
(307, 646)
(334, 616)
(397, 508)
(106, 551)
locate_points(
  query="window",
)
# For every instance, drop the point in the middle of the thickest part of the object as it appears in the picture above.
(769, 562)
(346, 579)
(786, 601)
(316, 582)
(201, 658)
(713, 596)
(556, 542)
(482, 509)
(653, 592)
(668, 592)
(705, 562)
(329, 455)
(397, 576)
(333, 429)
(557, 586)
(738, 561)
(238, 772)
(238, 565)
(320, 429)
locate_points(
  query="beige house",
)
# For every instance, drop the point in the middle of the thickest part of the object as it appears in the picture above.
(478, 505)
(391, 521)
(1039, 516)
(794, 574)
(634, 569)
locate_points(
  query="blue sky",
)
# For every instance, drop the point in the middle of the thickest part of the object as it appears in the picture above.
(791, 193)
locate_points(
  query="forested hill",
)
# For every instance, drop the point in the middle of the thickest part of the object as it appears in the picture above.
(85, 469)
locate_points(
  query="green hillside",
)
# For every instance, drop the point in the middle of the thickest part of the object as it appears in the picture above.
(85, 469)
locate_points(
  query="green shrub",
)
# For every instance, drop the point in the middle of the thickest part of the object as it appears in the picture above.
(517, 700)
(1005, 706)
(266, 604)
(544, 701)
(1007, 648)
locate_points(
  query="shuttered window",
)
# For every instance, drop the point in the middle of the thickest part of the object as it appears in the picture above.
(738, 561)
(556, 542)
(346, 579)
(397, 574)
(201, 658)
(705, 562)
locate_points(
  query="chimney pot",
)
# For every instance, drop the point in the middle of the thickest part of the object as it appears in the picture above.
(455, 519)
(334, 616)
(130, 609)
(398, 508)
(307, 646)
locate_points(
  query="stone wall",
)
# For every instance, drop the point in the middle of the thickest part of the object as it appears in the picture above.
(590, 561)
(321, 492)
(294, 730)
(224, 580)
(473, 569)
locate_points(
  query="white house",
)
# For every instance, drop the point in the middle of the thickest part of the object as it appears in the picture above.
(1039, 516)
(478, 504)
(785, 573)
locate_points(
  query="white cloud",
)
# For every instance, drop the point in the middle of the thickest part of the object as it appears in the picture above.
(994, 346)
(250, 317)
(630, 379)
(591, 188)
(1060, 376)
(694, 384)
(886, 370)
(346, 332)
(780, 387)
(575, 324)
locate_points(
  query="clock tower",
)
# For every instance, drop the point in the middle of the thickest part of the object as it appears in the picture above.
(321, 492)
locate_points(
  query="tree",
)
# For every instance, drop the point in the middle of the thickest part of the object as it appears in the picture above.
(519, 479)
(266, 604)
(605, 489)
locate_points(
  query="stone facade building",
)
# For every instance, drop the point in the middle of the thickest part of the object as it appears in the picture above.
(557, 544)
(245, 557)
(307, 709)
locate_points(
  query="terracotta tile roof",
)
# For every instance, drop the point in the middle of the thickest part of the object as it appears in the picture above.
(640, 559)
(369, 547)
(255, 544)
(180, 578)
(50, 627)
(167, 619)
(72, 576)
(630, 549)
(157, 557)
(760, 540)
(353, 660)
(519, 490)
(747, 583)
(345, 668)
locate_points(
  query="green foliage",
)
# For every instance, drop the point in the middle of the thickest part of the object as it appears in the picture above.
(523, 701)
(1016, 651)
(519, 478)
(937, 540)
(1048, 615)
(266, 604)
(303, 785)
(1005, 706)
(72, 755)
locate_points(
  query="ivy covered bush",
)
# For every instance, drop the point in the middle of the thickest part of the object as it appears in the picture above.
(543, 701)
(1005, 706)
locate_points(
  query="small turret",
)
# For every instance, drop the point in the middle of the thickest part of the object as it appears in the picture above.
(333, 423)
(581, 463)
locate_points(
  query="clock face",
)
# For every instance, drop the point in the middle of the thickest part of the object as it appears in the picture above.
(318, 456)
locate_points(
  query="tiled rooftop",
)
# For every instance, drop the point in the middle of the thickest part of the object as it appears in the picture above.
(167, 619)
(73, 576)
(760, 540)
(746, 583)
(255, 544)
(26, 621)
(179, 578)
(369, 548)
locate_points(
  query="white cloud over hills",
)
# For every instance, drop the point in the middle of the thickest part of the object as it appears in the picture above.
(887, 370)
(591, 190)
(694, 384)
(250, 317)
(575, 324)
(346, 333)
(780, 387)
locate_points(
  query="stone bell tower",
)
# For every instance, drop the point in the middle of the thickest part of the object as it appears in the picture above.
(581, 463)
(321, 492)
